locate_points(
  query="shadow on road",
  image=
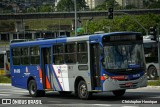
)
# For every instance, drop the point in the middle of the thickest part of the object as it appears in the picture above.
(105, 96)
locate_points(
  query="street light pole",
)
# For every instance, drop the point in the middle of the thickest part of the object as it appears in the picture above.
(75, 19)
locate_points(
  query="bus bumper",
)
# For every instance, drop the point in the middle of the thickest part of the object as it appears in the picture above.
(111, 84)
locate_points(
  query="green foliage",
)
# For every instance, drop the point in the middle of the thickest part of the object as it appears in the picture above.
(81, 5)
(6, 26)
(107, 4)
(65, 5)
(31, 10)
(45, 8)
(68, 5)
(151, 4)
(124, 23)
(4, 79)
(154, 83)
(130, 7)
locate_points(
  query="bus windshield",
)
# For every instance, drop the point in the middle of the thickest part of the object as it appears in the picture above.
(123, 56)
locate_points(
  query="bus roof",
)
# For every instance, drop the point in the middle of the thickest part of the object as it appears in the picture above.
(2, 52)
(148, 41)
(69, 39)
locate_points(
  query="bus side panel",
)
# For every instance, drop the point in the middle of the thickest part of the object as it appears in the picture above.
(21, 75)
(61, 80)
(17, 76)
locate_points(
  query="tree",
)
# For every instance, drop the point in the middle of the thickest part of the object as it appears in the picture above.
(130, 7)
(68, 5)
(46, 8)
(65, 5)
(107, 4)
(81, 5)
(151, 4)
(31, 9)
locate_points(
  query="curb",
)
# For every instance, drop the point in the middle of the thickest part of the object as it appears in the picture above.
(5, 84)
(157, 87)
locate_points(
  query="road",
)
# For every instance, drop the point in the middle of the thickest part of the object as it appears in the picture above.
(105, 99)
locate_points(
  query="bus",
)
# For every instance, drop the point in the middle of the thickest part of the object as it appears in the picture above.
(151, 57)
(5, 63)
(83, 64)
(19, 40)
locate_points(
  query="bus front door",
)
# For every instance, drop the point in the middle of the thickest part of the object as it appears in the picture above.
(46, 71)
(95, 65)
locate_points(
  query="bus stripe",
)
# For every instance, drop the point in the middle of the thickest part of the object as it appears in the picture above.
(40, 74)
(48, 81)
(55, 82)
(52, 84)
(48, 86)
(57, 79)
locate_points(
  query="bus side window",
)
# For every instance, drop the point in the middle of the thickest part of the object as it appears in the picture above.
(16, 53)
(35, 55)
(70, 53)
(25, 59)
(82, 55)
(58, 54)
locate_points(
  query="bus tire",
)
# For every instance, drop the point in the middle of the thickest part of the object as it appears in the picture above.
(119, 93)
(83, 90)
(152, 73)
(32, 87)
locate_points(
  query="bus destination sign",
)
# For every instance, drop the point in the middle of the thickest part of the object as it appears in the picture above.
(114, 38)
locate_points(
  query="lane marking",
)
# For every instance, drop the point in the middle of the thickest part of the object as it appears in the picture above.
(104, 105)
(129, 106)
(5, 94)
(12, 93)
(55, 101)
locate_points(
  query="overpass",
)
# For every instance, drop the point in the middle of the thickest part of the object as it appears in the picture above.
(80, 14)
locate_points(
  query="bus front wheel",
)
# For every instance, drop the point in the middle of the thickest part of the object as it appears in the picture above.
(119, 93)
(32, 87)
(152, 73)
(83, 90)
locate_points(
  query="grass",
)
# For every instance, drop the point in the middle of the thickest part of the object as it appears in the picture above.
(4, 79)
(154, 83)
(42, 24)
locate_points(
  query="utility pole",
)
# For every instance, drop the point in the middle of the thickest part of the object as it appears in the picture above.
(75, 13)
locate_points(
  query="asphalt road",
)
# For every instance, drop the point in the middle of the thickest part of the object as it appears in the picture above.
(105, 99)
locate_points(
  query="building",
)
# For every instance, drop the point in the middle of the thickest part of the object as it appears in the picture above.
(93, 3)
(136, 3)
(56, 2)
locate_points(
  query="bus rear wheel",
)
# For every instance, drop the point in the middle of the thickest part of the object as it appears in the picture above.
(32, 87)
(83, 91)
(152, 73)
(119, 93)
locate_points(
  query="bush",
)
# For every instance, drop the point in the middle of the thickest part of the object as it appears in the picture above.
(4, 79)
(154, 83)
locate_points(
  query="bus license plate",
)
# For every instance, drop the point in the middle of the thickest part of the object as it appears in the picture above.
(129, 84)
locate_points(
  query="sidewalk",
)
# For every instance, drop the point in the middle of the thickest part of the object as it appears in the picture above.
(5, 84)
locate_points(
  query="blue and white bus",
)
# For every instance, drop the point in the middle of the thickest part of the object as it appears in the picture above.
(83, 64)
